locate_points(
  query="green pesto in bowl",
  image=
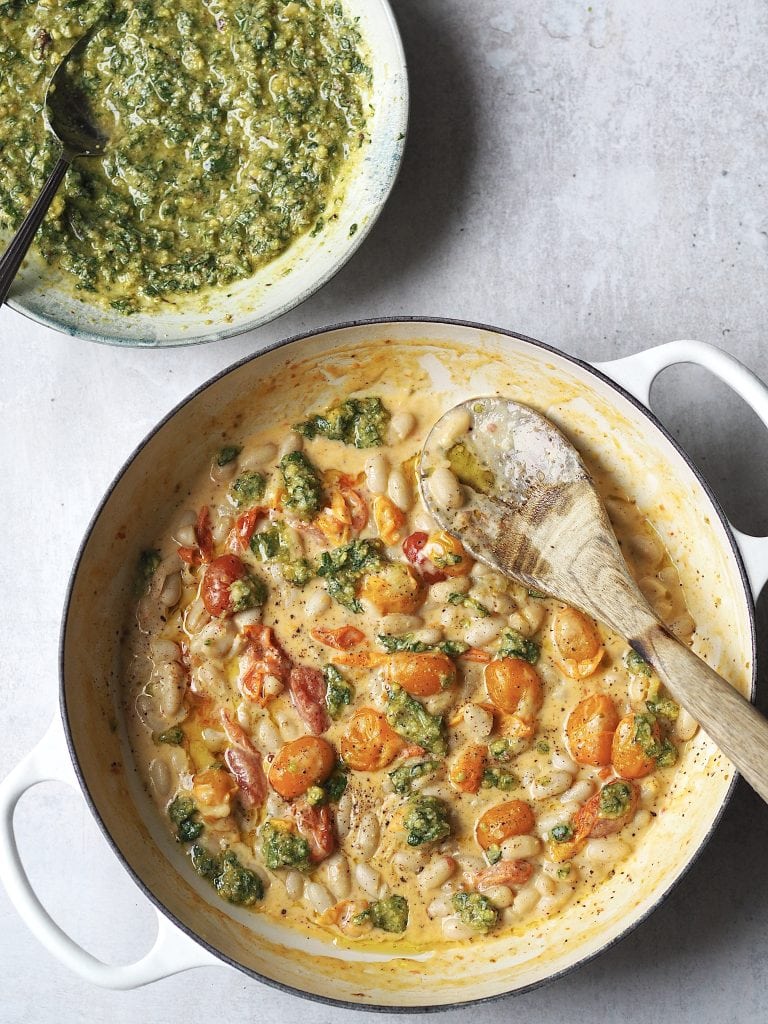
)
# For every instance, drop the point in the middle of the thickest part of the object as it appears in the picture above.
(231, 121)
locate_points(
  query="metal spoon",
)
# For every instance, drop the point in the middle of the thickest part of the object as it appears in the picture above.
(68, 118)
(532, 513)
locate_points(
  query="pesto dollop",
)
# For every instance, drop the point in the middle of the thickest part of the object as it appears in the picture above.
(230, 122)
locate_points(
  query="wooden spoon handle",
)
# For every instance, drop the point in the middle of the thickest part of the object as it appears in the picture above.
(737, 728)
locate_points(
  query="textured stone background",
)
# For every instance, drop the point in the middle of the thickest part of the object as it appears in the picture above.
(593, 176)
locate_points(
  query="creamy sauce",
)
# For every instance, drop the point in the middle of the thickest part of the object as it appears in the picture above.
(230, 123)
(349, 894)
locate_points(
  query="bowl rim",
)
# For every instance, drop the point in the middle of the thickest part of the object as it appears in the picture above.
(285, 344)
(400, 134)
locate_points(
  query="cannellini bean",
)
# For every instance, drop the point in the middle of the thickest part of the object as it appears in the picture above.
(440, 907)
(533, 613)
(318, 897)
(368, 879)
(578, 793)
(339, 879)
(478, 722)
(410, 858)
(501, 896)
(160, 777)
(484, 631)
(604, 851)
(428, 634)
(268, 737)
(525, 900)
(214, 739)
(317, 604)
(377, 474)
(544, 885)
(440, 702)
(637, 690)
(453, 425)
(440, 592)
(550, 785)
(436, 873)
(292, 442)
(294, 885)
(276, 806)
(344, 815)
(480, 570)
(399, 622)
(452, 617)
(243, 714)
(169, 686)
(501, 604)
(399, 491)
(642, 818)
(683, 626)
(170, 595)
(367, 835)
(258, 456)
(271, 686)
(286, 723)
(215, 639)
(649, 788)
(445, 489)
(222, 524)
(686, 726)
(454, 928)
(402, 424)
(162, 651)
(518, 622)
(563, 762)
(247, 617)
(520, 847)
(220, 474)
(551, 904)
(423, 521)
(184, 531)
(545, 822)
(647, 548)
(178, 759)
(196, 616)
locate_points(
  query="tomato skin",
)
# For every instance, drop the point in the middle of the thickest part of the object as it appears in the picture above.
(389, 519)
(219, 576)
(262, 657)
(395, 588)
(590, 728)
(506, 872)
(341, 639)
(413, 546)
(315, 824)
(447, 554)
(244, 762)
(421, 675)
(204, 534)
(240, 535)
(587, 824)
(307, 687)
(628, 758)
(512, 818)
(514, 687)
(466, 772)
(301, 763)
(369, 743)
(577, 642)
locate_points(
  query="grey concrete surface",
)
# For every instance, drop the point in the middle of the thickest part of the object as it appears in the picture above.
(593, 175)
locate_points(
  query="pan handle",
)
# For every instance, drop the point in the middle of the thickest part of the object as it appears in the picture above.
(636, 373)
(173, 951)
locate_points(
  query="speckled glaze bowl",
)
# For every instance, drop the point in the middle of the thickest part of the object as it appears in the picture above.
(604, 411)
(46, 294)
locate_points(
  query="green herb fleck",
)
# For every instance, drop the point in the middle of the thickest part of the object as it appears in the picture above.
(247, 489)
(468, 468)
(411, 720)
(304, 491)
(497, 778)
(174, 737)
(227, 454)
(561, 833)
(615, 800)
(338, 693)
(637, 665)
(232, 881)
(183, 814)
(283, 848)
(469, 602)
(404, 776)
(515, 645)
(390, 914)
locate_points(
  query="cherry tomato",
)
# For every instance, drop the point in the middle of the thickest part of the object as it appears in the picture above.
(307, 687)
(342, 638)
(413, 549)
(628, 758)
(466, 772)
(219, 576)
(447, 554)
(305, 762)
(370, 743)
(389, 519)
(212, 791)
(577, 642)
(512, 818)
(315, 824)
(590, 730)
(240, 535)
(204, 534)
(514, 687)
(262, 657)
(421, 675)
(396, 588)
(506, 872)
(244, 762)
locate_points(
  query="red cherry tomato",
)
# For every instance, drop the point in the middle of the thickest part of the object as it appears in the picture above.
(220, 574)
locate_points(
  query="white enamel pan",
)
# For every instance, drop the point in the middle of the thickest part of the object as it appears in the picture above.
(604, 408)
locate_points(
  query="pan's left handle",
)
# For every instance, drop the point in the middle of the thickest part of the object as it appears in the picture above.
(173, 951)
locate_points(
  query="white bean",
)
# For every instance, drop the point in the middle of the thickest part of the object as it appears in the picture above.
(160, 777)
(377, 474)
(526, 900)
(402, 424)
(344, 815)
(292, 442)
(221, 527)
(452, 426)
(247, 617)
(169, 686)
(439, 703)
(423, 521)
(399, 622)
(478, 722)
(399, 491)
(544, 885)
(368, 879)
(214, 639)
(440, 592)
(436, 873)
(484, 631)
(220, 474)
(162, 651)
(501, 896)
(533, 613)
(454, 928)
(318, 897)
(563, 762)
(578, 793)
(294, 885)
(686, 726)
(286, 723)
(268, 736)
(258, 456)
(440, 907)
(603, 851)
(171, 592)
(196, 616)
(480, 570)
(642, 818)
(520, 847)
(214, 739)
(445, 489)
(683, 626)
(243, 714)
(637, 690)
(317, 604)
(339, 880)
(547, 786)
(276, 806)
(367, 835)
(184, 532)
(520, 624)
(409, 859)
(551, 904)
(428, 634)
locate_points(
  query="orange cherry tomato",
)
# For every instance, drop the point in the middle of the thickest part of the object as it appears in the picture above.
(628, 758)
(389, 519)
(370, 743)
(514, 687)
(447, 554)
(342, 638)
(212, 791)
(512, 818)
(466, 772)
(590, 730)
(421, 675)
(506, 872)
(396, 588)
(588, 823)
(305, 762)
(578, 647)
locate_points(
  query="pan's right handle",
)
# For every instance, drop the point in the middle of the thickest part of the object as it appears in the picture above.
(172, 952)
(637, 373)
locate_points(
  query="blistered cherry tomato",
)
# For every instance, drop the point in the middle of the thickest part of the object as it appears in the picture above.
(305, 762)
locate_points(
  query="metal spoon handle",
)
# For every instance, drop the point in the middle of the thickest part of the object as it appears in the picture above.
(14, 255)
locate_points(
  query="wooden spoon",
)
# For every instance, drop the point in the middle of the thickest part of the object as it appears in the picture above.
(528, 508)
